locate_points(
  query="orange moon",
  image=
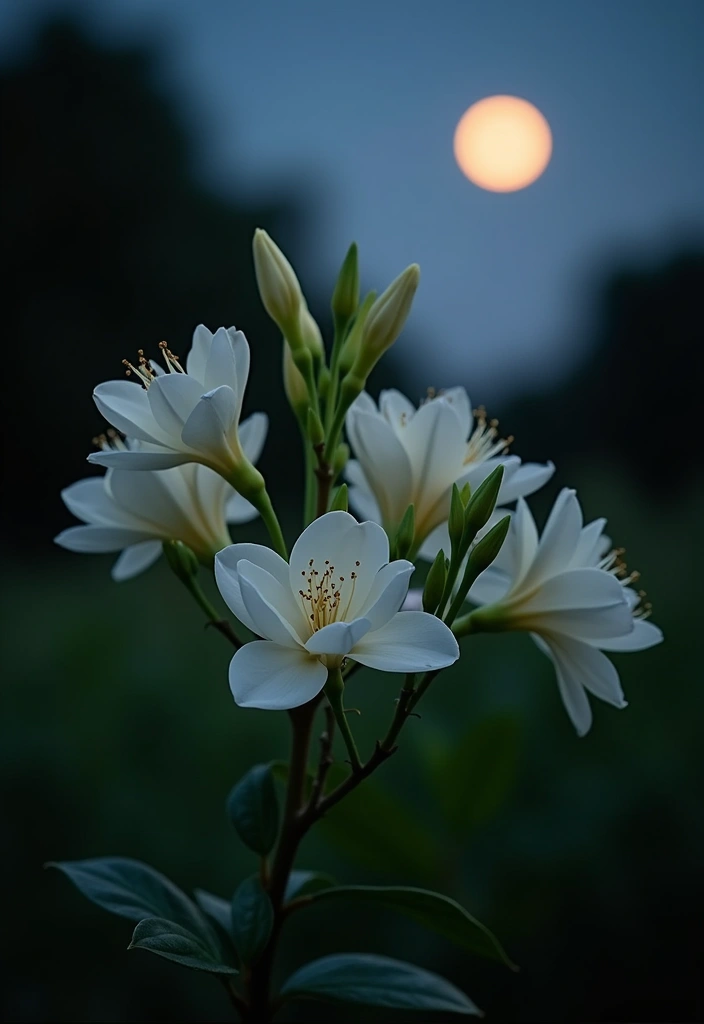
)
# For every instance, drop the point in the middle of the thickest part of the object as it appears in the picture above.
(503, 143)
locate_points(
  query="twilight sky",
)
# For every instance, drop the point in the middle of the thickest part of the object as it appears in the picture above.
(357, 103)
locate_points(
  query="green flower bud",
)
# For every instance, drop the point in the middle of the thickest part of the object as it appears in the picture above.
(435, 583)
(316, 432)
(342, 454)
(482, 502)
(485, 550)
(278, 286)
(339, 501)
(465, 494)
(403, 541)
(350, 348)
(310, 333)
(455, 523)
(295, 386)
(386, 319)
(182, 561)
(345, 298)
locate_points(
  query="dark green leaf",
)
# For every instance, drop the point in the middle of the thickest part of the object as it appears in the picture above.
(134, 890)
(473, 777)
(170, 940)
(252, 919)
(376, 981)
(217, 908)
(440, 913)
(254, 810)
(304, 883)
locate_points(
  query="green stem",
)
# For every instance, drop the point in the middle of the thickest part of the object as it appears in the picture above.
(350, 389)
(338, 336)
(222, 625)
(311, 481)
(262, 503)
(464, 626)
(334, 691)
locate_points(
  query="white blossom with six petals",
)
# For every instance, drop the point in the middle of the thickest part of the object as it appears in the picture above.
(338, 598)
(405, 455)
(190, 415)
(562, 590)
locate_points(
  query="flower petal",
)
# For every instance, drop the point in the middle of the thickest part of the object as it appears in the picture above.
(126, 405)
(360, 495)
(147, 497)
(220, 366)
(558, 541)
(590, 624)
(264, 675)
(384, 460)
(139, 460)
(644, 635)
(458, 400)
(338, 638)
(210, 422)
(336, 541)
(90, 501)
(252, 435)
(227, 576)
(239, 510)
(575, 589)
(386, 596)
(198, 356)
(528, 478)
(588, 550)
(409, 642)
(96, 539)
(172, 398)
(240, 347)
(396, 409)
(136, 559)
(587, 666)
(436, 443)
(270, 606)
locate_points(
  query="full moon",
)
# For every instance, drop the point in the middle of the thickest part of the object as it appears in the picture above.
(503, 143)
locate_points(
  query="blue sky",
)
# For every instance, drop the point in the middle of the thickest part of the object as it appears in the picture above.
(358, 102)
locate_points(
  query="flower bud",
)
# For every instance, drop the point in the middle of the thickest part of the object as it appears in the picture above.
(182, 561)
(339, 502)
(485, 550)
(350, 348)
(345, 298)
(314, 428)
(455, 524)
(295, 386)
(342, 454)
(465, 494)
(403, 541)
(435, 583)
(482, 502)
(386, 319)
(310, 334)
(278, 286)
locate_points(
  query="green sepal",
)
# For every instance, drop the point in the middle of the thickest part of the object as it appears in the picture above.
(430, 909)
(339, 501)
(483, 501)
(253, 809)
(370, 980)
(435, 583)
(182, 561)
(345, 297)
(174, 942)
(252, 919)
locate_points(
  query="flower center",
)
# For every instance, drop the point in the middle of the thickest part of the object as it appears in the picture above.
(326, 597)
(485, 441)
(615, 564)
(146, 372)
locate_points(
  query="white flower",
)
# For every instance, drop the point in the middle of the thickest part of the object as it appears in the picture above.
(338, 598)
(189, 415)
(407, 455)
(562, 590)
(134, 512)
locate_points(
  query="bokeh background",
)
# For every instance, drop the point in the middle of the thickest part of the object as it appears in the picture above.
(142, 144)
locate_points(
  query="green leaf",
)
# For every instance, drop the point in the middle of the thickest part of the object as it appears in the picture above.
(252, 919)
(172, 941)
(440, 913)
(133, 890)
(473, 778)
(253, 809)
(305, 883)
(374, 828)
(217, 908)
(376, 981)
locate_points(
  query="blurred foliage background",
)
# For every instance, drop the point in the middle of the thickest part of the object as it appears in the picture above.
(118, 732)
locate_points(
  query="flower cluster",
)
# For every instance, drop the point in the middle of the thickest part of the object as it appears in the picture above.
(435, 482)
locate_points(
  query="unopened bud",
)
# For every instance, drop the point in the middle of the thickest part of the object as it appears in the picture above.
(339, 501)
(482, 502)
(350, 348)
(485, 550)
(295, 385)
(403, 541)
(182, 561)
(278, 286)
(386, 319)
(342, 454)
(345, 298)
(465, 494)
(310, 333)
(435, 583)
(315, 429)
(455, 524)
